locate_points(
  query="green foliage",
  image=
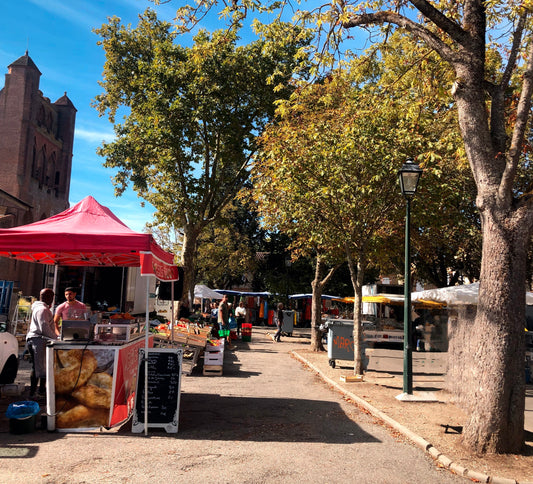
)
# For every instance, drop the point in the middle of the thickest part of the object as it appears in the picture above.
(192, 114)
(327, 171)
(225, 250)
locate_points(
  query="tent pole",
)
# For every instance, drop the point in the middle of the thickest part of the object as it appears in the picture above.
(83, 284)
(172, 311)
(54, 285)
(122, 306)
(146, 329)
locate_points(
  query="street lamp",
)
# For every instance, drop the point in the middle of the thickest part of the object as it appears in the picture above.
(409, 176)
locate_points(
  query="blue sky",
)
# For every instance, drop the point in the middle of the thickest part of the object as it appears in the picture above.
(59, 38)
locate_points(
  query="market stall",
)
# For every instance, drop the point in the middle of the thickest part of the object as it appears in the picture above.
(302, 304)
(256, 303)
(89, 234)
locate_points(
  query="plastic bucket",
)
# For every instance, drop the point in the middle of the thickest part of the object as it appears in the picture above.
(19, 426)
(22, 416)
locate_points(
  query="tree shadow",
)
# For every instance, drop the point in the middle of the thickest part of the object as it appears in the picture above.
(266, 420)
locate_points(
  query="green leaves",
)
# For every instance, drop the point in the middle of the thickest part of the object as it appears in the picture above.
(191, 114)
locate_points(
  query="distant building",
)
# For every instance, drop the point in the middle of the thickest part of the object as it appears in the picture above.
(36, 143)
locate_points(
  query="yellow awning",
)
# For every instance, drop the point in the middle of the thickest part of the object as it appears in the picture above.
(394, 300)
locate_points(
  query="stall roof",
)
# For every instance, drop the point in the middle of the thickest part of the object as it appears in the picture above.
(395, 299)
(456, 295)
(203, 292)
(229, 292)
(87, 234)
(305, 296)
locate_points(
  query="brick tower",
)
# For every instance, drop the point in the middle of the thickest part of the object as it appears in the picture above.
(36, 142)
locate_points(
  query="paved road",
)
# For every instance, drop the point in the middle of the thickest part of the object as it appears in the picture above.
(266, 420)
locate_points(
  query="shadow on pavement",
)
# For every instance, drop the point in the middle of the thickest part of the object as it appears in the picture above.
(266, 419)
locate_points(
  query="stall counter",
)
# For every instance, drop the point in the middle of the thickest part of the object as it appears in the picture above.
(90, 386)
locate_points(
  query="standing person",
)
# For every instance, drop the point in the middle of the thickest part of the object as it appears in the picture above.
(223, 318)
(279, 322)
(184, 312)
(214, 313)
(42, 329)
(70, 309)
(240, 314)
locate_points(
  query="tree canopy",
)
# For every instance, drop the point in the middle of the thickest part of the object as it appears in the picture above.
(192, 115)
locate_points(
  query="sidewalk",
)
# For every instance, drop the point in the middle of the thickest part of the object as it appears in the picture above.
(435, 427)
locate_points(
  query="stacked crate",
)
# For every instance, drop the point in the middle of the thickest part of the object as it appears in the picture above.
(214, 358)
(246, 332)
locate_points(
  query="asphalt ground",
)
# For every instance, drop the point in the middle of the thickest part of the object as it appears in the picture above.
(267, 419)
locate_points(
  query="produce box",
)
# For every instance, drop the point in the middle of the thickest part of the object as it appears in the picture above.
(212, 348)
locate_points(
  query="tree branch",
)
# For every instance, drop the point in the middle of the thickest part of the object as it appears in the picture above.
(453, 29)
(329, 275)
(522, 115)
(515, 49)
(497, 92)
(390, 17)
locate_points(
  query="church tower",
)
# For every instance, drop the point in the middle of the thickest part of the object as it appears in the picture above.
(36, 143)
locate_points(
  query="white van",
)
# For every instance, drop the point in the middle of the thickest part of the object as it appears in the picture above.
(9, 362)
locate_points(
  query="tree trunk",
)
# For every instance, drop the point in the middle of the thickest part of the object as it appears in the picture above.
(316, 306)
(188, 261)
(496, 424)
(461, 351)
(357, 277)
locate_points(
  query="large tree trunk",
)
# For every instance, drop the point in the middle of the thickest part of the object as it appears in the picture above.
(316, 303)
(357, 277)
(188, 261)
(496, 423)
(316, 306)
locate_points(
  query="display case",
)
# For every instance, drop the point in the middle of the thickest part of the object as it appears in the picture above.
(91, 386)
(118, 332)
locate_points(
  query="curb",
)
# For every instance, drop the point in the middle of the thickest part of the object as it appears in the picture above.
(426, 446)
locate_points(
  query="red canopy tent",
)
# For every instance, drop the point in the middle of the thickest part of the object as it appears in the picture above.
(87, 234)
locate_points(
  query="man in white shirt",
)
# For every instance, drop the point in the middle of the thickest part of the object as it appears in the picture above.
(240, 315)
(42, 329)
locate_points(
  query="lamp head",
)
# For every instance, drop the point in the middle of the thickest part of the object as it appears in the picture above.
(409, 175)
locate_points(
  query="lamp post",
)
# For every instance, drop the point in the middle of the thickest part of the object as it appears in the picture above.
(409, 176)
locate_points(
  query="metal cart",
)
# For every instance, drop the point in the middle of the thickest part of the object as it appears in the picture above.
(288, 323)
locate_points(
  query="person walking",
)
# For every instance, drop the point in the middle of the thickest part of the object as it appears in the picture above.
(279, 322)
